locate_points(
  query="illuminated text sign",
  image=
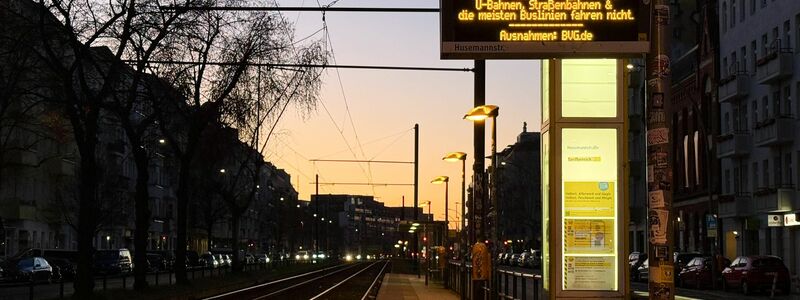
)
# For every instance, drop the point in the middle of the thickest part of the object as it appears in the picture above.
(473, 29)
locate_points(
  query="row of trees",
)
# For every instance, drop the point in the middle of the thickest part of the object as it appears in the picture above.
(160, 74)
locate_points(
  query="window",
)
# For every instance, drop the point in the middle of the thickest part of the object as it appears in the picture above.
(743, 111)
(741, 12)
(755, 113)
(789, 171)
(778, 171)
(734, 62)
(776, 37)
(787, 35)
(765, 112)
(755, 176)
(745, 182)
(686, 160)
(736, 180)
(787, 100)
(797, 31)
(728, 181)
(763, 3)
(752, 7)
(764, 40)
(765, 174)
(726, 123)
(753, 54)
(724, 25)
(743, 66)
(725, 67)
(776, 100)
(733, 13)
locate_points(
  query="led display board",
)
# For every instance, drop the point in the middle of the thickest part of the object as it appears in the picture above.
(529, 29)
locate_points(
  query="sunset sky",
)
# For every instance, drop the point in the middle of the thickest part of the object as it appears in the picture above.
(385, 105)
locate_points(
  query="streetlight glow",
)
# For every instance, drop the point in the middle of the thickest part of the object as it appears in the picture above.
(440, 180)
(482, 112)
(455, 156)
(222, 170)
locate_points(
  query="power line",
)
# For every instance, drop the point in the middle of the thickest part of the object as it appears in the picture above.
(324, 66)
(363, 183)
(364, 161)
(296, 8)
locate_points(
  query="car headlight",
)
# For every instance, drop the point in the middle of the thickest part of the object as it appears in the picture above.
(314, 256)
(322, 256)
(348, 258)
(297, 257)
(305, 256)
(358, 257)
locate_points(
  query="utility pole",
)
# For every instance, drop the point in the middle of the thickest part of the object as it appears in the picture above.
(478, 228)
(660, 214)
(314, 226)
(416, 195)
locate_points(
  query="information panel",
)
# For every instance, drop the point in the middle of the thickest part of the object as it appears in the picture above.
(589, 209)
(476, 29)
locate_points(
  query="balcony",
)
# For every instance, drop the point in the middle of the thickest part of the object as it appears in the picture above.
(776, 65)
(734, 87)
(774, 199)
(775, 131)
(736, 205)
(734, 144)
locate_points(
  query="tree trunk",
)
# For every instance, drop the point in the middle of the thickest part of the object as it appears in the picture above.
(87, 214)
(236, 217)
(183, 201)
(142, 202)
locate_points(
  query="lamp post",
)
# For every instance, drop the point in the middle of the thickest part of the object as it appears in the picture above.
(454, 157)
(446, 181)
(480, 114)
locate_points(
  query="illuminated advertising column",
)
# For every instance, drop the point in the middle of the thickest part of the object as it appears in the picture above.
(583, 186)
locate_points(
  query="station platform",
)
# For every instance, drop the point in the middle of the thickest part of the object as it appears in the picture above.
(409, 287)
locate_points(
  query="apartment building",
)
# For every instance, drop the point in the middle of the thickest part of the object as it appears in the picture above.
(759, 130)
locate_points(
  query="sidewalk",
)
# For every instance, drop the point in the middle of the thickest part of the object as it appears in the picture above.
(409, 287)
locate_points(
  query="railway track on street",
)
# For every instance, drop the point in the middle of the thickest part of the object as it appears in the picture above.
(345, 281)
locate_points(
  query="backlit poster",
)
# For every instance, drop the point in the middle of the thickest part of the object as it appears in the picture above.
(589, 209)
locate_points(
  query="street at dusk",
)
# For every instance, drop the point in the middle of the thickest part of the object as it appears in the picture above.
(355, 149)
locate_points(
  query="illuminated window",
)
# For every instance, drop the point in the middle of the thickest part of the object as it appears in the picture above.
(589, 88)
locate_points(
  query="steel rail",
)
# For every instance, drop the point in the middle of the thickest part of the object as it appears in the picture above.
(343, 281)
(374, 281)
(271, 283)
(303, 283)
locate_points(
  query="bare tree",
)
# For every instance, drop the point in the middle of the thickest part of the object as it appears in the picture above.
(220, 93)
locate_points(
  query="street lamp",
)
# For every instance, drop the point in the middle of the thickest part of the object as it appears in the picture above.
(480, 114)
(454, 157)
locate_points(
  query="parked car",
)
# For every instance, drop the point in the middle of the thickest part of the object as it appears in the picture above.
(192, 259)
(535, 259)
(155, 262)
(523, 259)
(635, 260)
(499, 260)
(513, 259)
(507, 258)
(62, 267)
(209, 261)
(751, 273)
(683, 258)
(698, 272)
(262, 258)
(113, 261)
(643, 273)
(34, 269)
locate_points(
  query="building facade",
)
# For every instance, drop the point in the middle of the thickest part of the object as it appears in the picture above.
(759, 129)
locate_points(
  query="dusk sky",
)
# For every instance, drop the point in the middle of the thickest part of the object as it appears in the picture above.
(384, 105)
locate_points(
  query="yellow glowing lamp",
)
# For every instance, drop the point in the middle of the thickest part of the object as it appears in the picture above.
(440, 180)
(455, 156)
(482, 112)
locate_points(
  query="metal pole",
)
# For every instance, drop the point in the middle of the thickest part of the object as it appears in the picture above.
(416, 195)
(463, 248)
(446, 228)
(314, 228)
(659, 158)
(478, 182)
(495, 206)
